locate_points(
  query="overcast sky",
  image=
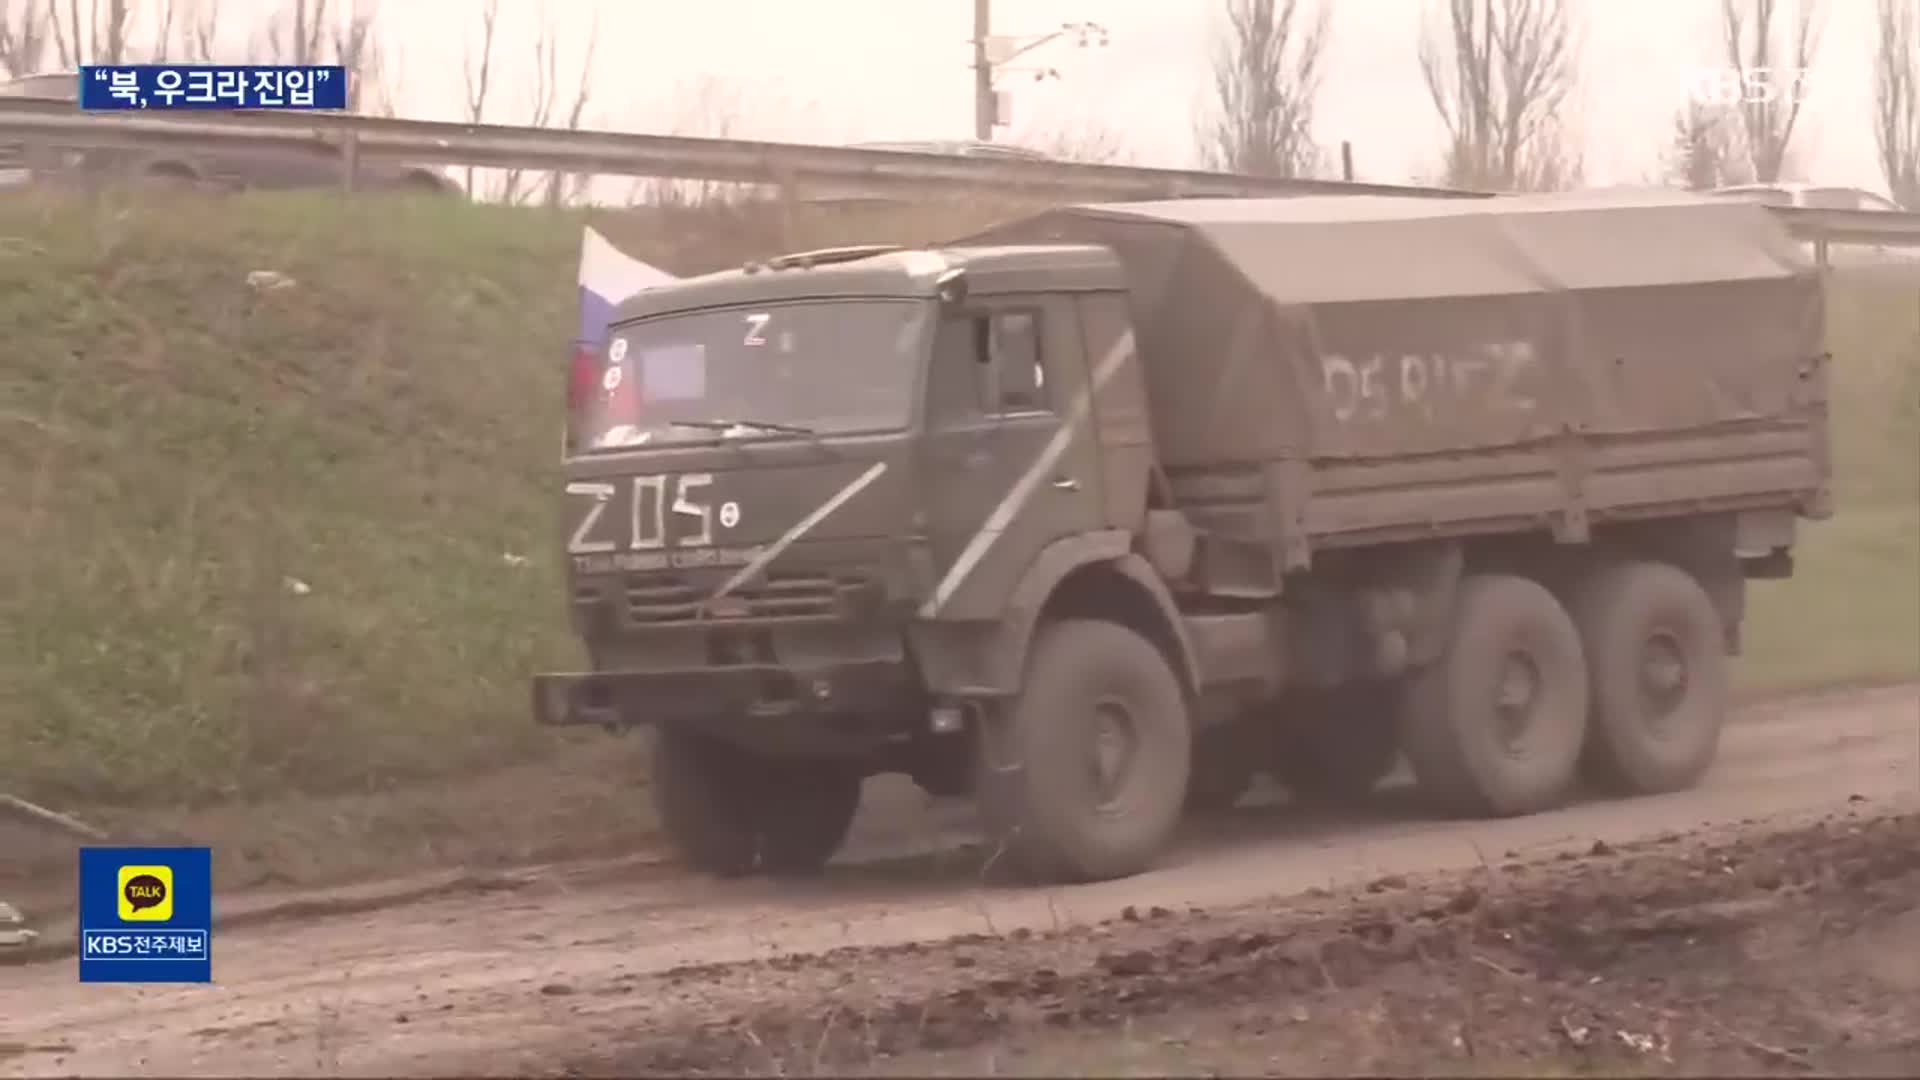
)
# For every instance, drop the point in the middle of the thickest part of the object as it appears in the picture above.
(849, 70)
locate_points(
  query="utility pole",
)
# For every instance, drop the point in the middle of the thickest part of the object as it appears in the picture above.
(987, 60)
(984, 113)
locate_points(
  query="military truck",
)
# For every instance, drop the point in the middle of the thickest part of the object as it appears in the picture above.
(1101, 513)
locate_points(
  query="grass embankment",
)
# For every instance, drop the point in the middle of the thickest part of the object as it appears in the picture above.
(301, 540)
(259, 535)
(1852, 610)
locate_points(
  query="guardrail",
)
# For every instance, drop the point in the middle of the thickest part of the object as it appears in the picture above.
(798, 168)
(1824, 228)
(791, 165)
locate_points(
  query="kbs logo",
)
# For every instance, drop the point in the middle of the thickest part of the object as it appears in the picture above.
(1727, 87)
(146, 914)
(146, 893)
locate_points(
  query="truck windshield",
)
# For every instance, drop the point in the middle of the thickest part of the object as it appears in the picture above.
(794, 368)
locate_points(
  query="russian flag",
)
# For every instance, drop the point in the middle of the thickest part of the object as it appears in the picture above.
(607, 277)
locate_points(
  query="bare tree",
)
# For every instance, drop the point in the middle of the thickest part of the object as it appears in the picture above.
(707, 106)
(563, 187)
(1708, 149)
(388, 72)
(163, 34)
(296, 32)
(25, 31)
(110, 33)
(199, 36)
(1896, 99)
(1266, 75)
(356, 46)
(1770, 72)
(313, 32)
(545, 91)
(549, 102)
(70, 33)
(1500, 73)
(478, 72)
(114, 20)
(96, 33)
(1089, 141)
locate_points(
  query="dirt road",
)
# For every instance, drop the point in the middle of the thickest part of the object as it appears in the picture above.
(583, 966)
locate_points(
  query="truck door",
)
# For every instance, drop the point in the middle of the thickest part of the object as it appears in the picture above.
(1003, 478)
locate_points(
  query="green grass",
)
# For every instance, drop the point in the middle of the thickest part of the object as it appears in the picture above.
(1851, 612)
(271, 540)
(177, 448)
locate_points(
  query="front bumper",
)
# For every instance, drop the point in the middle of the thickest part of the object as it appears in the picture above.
(618, 699)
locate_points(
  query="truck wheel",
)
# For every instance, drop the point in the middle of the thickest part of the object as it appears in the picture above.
(1657, 653)
(1495, 726)
(706, 795)
(806, 811)
(1082, 776)
(1342, 747)
(1225, 761)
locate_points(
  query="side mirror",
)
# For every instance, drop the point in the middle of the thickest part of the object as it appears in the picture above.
(951, 287)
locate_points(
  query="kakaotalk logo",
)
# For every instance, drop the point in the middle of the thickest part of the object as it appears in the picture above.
(146, 893)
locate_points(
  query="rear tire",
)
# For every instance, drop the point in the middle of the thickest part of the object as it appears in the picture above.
(1083, 775)
(1656, 651)
(1495, 726)
(1343, 742)
(729, 812)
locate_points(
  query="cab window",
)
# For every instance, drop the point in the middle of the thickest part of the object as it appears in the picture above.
(988, 365)
(1014, 348)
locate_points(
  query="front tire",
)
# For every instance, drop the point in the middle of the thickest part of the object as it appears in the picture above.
(1495, 726)
(729, 812)
(1657, 653)
(707, 799)
(1083, 775)
(806, 816)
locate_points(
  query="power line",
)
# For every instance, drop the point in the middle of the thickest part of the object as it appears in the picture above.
(986, 112)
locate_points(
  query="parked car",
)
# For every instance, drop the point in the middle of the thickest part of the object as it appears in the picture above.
(231, 169)
(854, 195)
(959, 148)
(1829, 197)
(1813, 196)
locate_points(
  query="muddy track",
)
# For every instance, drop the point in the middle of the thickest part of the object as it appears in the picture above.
(623, 967)
(1562, 922)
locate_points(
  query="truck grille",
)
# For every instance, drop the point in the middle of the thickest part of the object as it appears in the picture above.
(664, 599)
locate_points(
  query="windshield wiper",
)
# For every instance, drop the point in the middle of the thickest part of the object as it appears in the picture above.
(763, 425)
(724, 426)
